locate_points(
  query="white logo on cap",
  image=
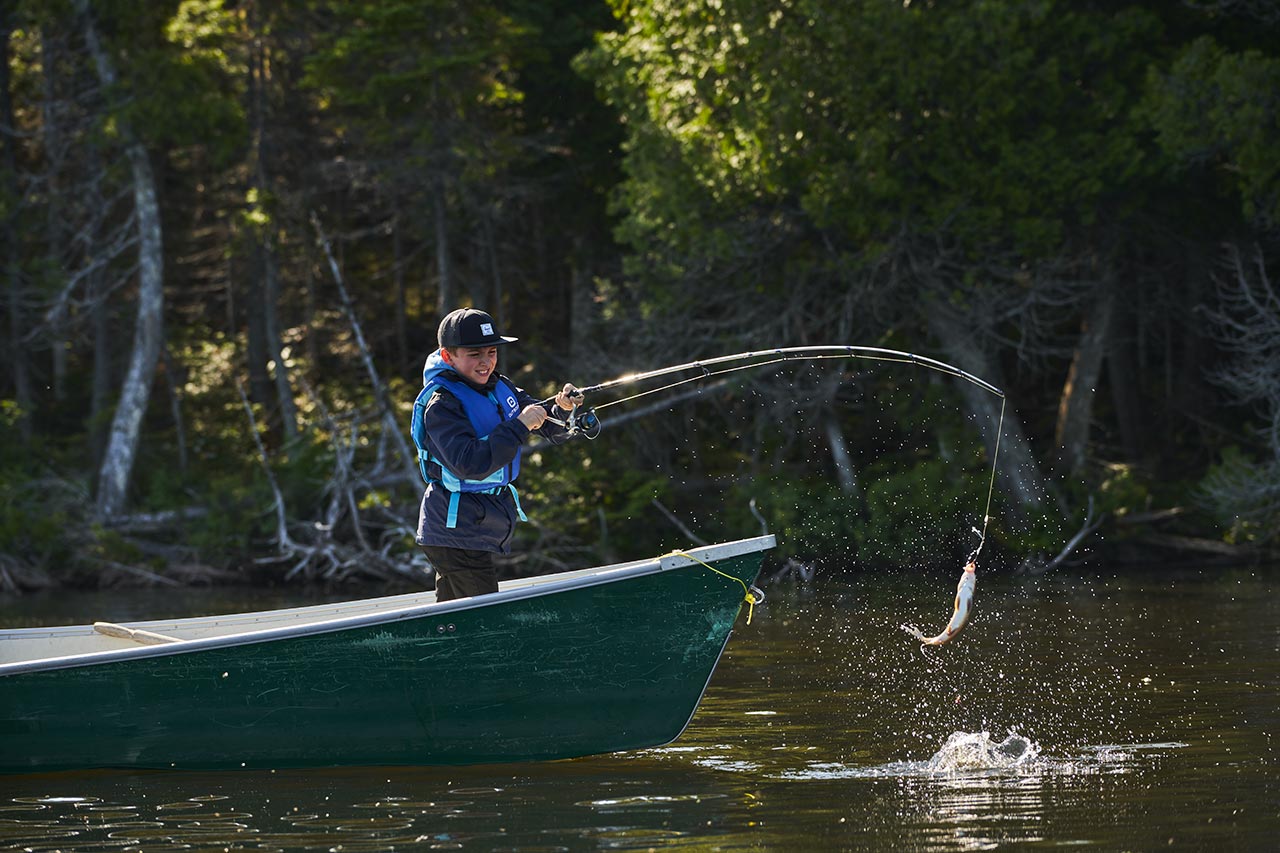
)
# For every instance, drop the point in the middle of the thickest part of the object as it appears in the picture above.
(486, 328)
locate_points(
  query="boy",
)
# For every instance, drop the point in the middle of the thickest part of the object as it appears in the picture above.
(469, 423)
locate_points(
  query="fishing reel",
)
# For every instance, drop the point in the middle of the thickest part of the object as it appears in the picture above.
(583, 421)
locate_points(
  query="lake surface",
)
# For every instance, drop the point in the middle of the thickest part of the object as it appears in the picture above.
(1117, 712)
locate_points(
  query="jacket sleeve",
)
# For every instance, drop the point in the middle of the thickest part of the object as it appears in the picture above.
(452, 440)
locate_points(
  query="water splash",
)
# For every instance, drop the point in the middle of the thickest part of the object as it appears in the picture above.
(979, 758)
(965, 751)
(962, 754)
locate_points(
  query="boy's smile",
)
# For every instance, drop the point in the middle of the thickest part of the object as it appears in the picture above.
(475, 364)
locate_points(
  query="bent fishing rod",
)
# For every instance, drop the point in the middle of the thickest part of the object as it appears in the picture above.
(775, 356)
(763, 358)
(584, 421)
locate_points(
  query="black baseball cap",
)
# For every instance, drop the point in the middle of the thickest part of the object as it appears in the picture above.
(468, 327)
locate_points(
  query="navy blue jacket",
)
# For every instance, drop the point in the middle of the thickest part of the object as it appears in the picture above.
(485, 522)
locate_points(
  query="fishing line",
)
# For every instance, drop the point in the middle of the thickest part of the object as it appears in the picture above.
(991, 486)
(798, 353)
(764, 358)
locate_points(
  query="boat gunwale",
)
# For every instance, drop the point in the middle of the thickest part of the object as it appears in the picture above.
(552, 584)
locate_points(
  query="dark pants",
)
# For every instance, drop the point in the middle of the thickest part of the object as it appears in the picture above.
(461, 572)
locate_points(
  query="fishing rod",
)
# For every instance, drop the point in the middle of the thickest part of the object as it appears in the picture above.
(584, 421)
(775, 356)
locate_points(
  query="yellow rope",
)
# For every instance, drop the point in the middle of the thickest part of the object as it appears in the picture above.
(749, 598)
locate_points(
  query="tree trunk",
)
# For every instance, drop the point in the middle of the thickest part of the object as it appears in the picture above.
(273, 342)
(17, 353)
(1075, 408)
(55, 154)
(1189, 391)
(100, 328)
(402, 309)
(126, 426)
(445, 296)
(255, 303)
(175, 379)
(840, 456)
(582, 315)
(1019, 472)
(498, 309)
(100, 394)
(1123, 378)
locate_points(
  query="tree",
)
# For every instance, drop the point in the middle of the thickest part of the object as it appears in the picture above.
(121, 450)
(262, 224)
(1219, 110)
(921, 156)
(1075, 409)
(164, 112)
(1245, 492)
(420, 88)
(11, 194)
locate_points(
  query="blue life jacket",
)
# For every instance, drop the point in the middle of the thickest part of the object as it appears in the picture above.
(485, 411)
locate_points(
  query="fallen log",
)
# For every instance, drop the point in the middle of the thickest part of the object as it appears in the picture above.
(154, 522)
(1194, 543)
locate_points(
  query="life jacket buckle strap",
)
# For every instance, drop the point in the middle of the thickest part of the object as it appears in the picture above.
(451, 517)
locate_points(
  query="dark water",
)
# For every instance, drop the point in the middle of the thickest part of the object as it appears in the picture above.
(1117, 713)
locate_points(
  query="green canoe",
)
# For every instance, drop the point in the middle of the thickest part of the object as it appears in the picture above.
(592, 661)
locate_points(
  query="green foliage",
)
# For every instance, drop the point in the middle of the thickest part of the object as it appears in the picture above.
(1120, 490)
(907, 514)
(10, 414)
(33, 527)
(109, 546)
(176, 66)
(590, 495)
(1003, 124)
(1220, 109)
(238, 519)
(786, 173)
(921, 472)
(916, 515)
(303, 471)
(44, 512)
(1244, 495)
(37, 511)
(812, 518)
(424, 80)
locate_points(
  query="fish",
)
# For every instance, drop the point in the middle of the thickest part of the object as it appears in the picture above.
(963, 609)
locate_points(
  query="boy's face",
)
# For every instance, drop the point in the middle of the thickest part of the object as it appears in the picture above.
(475, 364)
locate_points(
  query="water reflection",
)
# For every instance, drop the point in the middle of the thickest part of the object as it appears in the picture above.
(210, 822)
(535, 807)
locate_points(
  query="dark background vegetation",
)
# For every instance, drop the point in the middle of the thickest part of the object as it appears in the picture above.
(229, 230)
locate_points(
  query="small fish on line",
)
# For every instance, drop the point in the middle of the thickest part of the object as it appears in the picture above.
(963, 609)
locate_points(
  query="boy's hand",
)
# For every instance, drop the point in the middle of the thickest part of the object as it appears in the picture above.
(533, 416)
(569, 397)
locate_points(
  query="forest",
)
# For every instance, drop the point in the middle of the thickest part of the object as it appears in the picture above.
(231, 227)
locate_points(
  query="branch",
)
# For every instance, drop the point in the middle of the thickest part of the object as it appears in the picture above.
(58, 304)
(1192, 543)
(693, 537)
(1091, 523)
(379, 389)
(283, 541)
